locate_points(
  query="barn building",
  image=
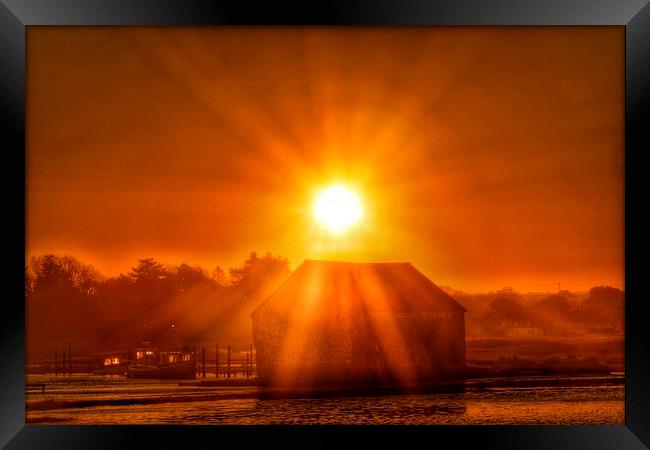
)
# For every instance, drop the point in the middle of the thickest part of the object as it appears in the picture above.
(339, 323)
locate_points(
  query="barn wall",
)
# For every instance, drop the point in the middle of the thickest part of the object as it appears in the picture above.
(421, 344)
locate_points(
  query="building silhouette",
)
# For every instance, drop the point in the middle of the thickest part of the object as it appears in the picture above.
(339, 323)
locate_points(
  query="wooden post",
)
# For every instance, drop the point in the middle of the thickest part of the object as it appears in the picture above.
(250, 360)
(70, 358)
(63, 361)
(228, 366)
(56, 361)
(203, 361)
(216, 362)
(194, 357)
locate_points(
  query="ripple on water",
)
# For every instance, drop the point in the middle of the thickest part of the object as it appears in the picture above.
(542, 405)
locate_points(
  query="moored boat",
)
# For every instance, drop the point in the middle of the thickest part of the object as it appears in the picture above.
(111, 363)
(153, 363)
(180, 370)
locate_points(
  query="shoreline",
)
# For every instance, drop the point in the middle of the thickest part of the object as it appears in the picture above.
(263, 393)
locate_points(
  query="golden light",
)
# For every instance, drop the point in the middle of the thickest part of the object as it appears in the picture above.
(337, 208)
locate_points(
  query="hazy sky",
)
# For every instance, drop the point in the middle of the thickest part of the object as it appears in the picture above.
(487, 157)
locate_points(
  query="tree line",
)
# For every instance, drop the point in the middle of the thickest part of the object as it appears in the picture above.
(67, 300)
(564, 313)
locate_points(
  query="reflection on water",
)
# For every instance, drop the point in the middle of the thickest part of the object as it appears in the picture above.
(600, 403)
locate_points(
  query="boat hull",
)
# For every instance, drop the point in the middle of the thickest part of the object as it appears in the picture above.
(182, 370)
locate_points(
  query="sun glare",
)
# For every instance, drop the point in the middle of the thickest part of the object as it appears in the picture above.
(337, 209)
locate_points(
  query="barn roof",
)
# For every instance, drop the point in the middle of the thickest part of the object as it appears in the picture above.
(384, 287)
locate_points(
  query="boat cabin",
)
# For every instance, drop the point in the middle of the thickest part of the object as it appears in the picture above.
(113, 361)
(151, 362)
(110, 363)
(150, 356)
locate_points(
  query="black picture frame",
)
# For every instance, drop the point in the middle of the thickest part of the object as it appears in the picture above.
(634, 15)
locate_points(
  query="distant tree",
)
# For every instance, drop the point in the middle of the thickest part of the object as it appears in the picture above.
(118, 305)
(117, 292)
(556, 313)
(604, 308)
(219, 276)
(65, 273)
(250, 284)
(62, 300)
(85, 278)
(153, 289)
(510, 309)
(605, 296)
(48, 273)
(148, 270)
(239, 275)
(188, 276)
(556, 305)
(257, 272)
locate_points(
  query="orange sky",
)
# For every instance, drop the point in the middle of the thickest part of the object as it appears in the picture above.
(487, 157)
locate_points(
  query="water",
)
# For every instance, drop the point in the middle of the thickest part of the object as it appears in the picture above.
(116, 400)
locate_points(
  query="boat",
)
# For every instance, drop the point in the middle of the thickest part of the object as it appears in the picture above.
(153, 363)
(111, 363)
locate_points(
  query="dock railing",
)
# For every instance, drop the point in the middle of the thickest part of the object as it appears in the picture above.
(212, 361)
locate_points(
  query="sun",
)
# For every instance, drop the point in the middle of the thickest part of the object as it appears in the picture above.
(337, 208)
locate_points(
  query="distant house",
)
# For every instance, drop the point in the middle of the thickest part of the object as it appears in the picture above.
(342, 323)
